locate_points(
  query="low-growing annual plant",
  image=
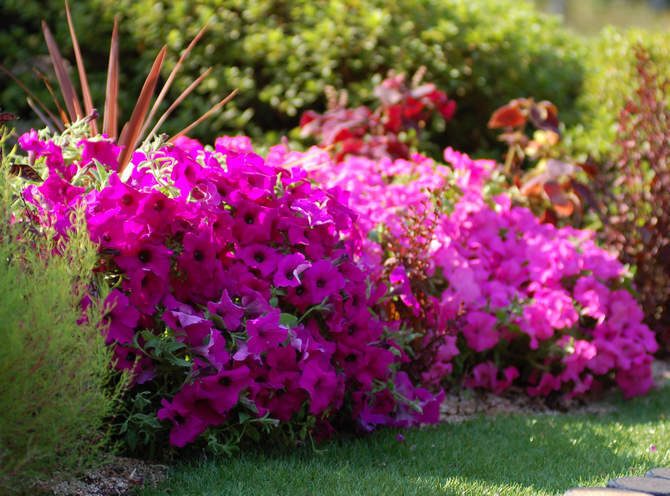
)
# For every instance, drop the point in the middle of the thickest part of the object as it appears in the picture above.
(238, 299)
(489, 296)
(55, 395)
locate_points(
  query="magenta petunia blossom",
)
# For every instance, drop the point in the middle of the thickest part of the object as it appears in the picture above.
(230, 313)
(322, 280)
(289, 270)
(283, 365)
(145, 256)
(103, 150)
(320, 384)
(480, 331)
(191, 413)
(53, 154)
(121, 317)
(224, 388)
(485, 375)
(265, 333)
(260, 257)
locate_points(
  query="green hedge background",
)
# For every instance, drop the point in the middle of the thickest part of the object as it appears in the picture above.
(281, 55)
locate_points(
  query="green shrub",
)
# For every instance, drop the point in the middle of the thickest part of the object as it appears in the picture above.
(23, 48)
(610, 77)
(53, 371)
(281, 55)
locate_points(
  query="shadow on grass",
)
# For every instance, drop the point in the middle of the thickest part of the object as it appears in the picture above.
(506, 455)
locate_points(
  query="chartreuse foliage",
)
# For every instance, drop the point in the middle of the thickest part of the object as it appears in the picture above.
(53, 367)
(530, 455)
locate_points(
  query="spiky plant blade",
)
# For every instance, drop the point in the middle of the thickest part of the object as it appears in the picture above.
(61, 112)
(179, 99)
(69, 94)
(171, 77)
(205, 115)
(42, 117)
(139, 113)
(86, 92)
(32, 95)
(110, 121)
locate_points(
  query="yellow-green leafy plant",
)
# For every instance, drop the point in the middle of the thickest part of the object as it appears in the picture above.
(55, 392)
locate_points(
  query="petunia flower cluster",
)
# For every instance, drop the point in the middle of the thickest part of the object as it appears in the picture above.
(236, 282)
(517, 301)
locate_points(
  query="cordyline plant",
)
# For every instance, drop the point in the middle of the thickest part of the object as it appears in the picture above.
(551, 187)
(391, 130)
(639, 197)
(141, 117)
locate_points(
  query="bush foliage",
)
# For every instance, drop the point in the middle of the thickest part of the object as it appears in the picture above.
(281, 55)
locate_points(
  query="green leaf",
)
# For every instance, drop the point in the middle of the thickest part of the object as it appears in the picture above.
(288, 320)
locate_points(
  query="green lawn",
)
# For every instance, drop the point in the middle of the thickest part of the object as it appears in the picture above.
(506, 455)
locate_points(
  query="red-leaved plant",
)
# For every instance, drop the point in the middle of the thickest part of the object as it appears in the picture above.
(391, 130)
(551, 187)
(639, 194)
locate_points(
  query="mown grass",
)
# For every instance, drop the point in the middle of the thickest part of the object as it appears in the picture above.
(517, 455)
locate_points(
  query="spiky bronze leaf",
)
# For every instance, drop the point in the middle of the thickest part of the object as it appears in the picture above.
(171, 77)
(179, 99)
(130, 137)
(63, 116)
(110, 121)
(69, 94)
(83, 80)
(32, 95)
(206, 115)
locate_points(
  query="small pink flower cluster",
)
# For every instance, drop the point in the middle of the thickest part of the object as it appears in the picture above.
(520, 302)
(249, 270)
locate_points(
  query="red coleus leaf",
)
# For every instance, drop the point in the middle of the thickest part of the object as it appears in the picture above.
(545, 116)
(412, 108)
(447, 109)
(511, 115)
(561, 203)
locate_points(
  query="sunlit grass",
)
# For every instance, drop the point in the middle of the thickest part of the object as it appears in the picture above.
(516, 455)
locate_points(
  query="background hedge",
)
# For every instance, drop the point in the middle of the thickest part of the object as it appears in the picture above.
(610, 79)
(281, 54)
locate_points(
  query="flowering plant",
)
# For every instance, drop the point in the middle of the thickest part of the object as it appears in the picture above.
(239, 298)
(491, 296)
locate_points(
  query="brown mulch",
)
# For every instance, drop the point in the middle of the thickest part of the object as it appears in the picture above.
(122, 476)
